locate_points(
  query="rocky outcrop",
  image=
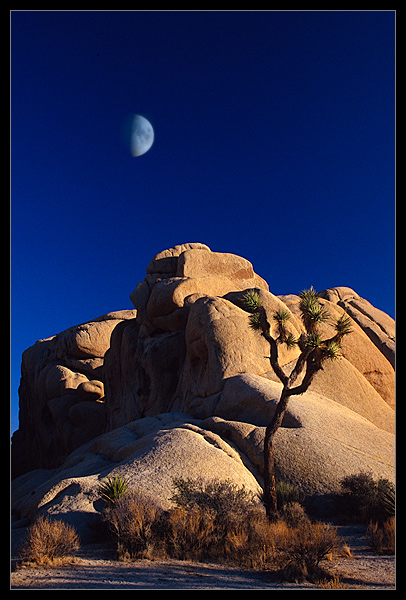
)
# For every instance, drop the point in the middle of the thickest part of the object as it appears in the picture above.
(141, 373)
(183, 386)
(148, 452)
(377, 325)
(369, 358)
(146, 369)
(319, 443)
(62, 398)
(219, 345)
(175, 274)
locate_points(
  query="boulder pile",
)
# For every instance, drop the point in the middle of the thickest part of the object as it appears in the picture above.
(182, 386)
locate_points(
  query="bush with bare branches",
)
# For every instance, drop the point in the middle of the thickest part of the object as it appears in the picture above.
(49, 542)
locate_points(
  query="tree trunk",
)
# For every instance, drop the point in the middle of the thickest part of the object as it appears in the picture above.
(270, 500)
(269, 460)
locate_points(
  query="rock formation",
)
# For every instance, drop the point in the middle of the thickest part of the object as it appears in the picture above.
(62, 399)
(182, 386)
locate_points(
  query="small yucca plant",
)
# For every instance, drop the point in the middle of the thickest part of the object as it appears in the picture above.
(286, 493)
(386, 497)
(113, 488)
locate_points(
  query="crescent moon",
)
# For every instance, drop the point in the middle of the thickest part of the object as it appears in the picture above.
(142, 135)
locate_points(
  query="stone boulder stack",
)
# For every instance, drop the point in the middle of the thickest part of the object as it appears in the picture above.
(176, 274)
(62, 398)
(185, 364)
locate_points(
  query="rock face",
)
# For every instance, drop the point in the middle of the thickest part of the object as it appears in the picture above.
(182, 386)
(319, 442)
(378, 326)
(148, 452)
(62, 398)
(175, 274)
(367, 355)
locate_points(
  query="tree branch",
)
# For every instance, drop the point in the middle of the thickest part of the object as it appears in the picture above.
(312, 367)
(273, 345)
(301, 361)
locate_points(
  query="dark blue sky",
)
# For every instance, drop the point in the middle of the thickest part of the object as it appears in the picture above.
(274, 140)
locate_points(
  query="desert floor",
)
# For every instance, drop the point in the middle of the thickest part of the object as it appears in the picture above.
(94, 568)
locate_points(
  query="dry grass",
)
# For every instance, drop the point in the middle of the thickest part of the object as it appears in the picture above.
(346, 551)
(50, 542)
(306, 547)
(191, 533)
(381, 537)
(133, 521)
(332, 584)
(196, 533)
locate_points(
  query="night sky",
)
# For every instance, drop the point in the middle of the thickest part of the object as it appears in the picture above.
(274, 140)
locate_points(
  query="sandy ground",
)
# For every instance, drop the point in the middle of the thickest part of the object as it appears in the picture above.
(95, 569)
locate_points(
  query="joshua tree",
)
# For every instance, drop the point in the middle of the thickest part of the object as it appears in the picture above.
(314, 351)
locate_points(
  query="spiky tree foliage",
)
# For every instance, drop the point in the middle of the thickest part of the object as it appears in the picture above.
(252, 301)
(313, 312)
(252, 304)
(343, 326)
(254, 322)
(281, 316)
(314, 351)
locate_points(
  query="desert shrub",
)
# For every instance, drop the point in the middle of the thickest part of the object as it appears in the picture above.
(212, 521)
(195, 533)
(304, 549)
(228, 501)
(294, 514)
(133, 520)
(381, 536)
(287, 493)
(365, 499)
(221, 522)
(113, 488)
(50, 541)
(191, 533)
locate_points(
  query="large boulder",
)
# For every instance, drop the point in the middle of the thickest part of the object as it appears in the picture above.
(368, 357)
(183, 386)
(175, 274)
(141, 373)
(220, 344)
(378, 326)
(62, 399)
(319, 442)
(149, 453)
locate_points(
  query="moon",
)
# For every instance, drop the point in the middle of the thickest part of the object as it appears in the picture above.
(142, 135)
